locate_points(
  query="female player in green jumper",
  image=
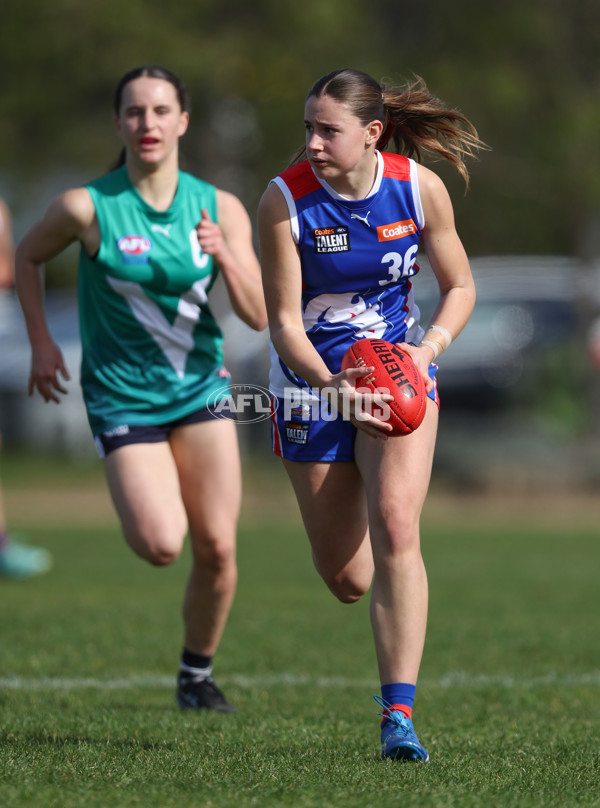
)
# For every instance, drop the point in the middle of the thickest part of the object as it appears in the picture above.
(153, 239)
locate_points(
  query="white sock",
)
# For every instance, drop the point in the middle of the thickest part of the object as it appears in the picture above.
(195, 674)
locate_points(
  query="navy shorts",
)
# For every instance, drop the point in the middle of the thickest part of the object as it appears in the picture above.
(126, 434)
(307, 430)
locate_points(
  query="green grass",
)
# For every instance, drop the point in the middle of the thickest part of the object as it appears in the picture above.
(507, 705)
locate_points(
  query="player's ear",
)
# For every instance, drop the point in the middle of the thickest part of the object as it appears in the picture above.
(183, 123)
(373, 132)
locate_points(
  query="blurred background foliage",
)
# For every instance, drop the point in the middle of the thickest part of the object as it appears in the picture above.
(526, 72)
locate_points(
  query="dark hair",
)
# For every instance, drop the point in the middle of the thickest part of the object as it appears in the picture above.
(413, 119)
(152, 72)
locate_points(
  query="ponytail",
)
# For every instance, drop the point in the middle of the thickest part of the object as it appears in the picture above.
(414, 121)
(120, 161)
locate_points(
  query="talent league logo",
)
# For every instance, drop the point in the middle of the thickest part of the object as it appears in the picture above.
(332, 239)
(297, 425)
(134, 249)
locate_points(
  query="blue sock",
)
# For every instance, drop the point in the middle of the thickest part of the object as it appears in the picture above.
(401, 695)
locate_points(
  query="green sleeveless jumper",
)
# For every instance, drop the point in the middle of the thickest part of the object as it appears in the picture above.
(152, 352)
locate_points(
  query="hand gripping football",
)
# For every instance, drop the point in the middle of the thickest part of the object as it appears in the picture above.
(394, 372)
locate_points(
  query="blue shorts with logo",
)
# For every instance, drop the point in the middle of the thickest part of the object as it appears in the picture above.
(307, 430)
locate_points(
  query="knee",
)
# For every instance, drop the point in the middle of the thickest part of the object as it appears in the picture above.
(158, 548)
(397, 537)
(398, 551)
(161, 556)
(348, 578)
(346, 588)
(217, 555)
(346, 594)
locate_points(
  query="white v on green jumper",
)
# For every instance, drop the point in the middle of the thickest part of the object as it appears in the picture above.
(152, 349)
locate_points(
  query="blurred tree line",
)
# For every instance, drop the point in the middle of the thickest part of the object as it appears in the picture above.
(526, 72)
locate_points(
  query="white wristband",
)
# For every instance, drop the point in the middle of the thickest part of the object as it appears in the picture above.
(433, 345)
(444, 332)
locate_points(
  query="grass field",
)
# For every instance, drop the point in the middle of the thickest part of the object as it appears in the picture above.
(508, 703)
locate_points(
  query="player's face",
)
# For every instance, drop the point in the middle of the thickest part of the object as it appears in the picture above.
(337, 143)
(151, 121)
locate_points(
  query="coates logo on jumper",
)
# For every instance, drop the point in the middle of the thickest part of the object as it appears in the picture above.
(389, 232)
(244, 403)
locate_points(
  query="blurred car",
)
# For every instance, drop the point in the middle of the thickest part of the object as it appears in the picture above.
(526, 306)
(28, 420)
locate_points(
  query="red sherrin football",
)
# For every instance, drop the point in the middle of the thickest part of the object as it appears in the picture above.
(394, 372)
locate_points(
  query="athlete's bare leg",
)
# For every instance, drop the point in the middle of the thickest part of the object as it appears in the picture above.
(208, 461)
(396, 473)
(144, 486)
(160, 489)
(332, 502)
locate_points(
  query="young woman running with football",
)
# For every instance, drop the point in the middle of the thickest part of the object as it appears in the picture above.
(360, 492)
(153, 240)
